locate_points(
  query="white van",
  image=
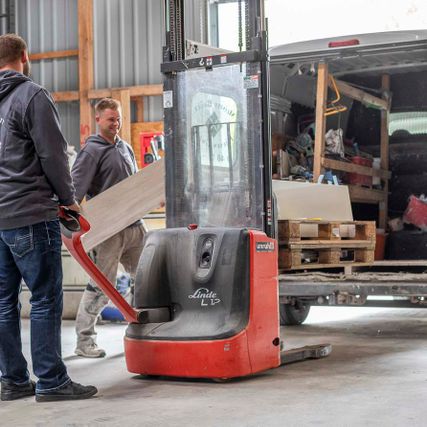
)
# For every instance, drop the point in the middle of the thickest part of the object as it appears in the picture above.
(372, 87)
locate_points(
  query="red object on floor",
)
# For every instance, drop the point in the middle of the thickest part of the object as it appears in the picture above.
(356, 178)
(256, 348)
(416, 213)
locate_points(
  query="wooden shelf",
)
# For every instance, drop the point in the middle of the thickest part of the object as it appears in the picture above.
(320, 163)
(366, 195)
(354, 168)
(359, 95)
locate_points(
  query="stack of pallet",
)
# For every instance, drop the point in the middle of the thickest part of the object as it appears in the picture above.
(314, 244)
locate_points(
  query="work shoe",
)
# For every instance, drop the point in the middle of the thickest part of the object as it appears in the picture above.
(70, 391)
(92, 351)
(10, 391)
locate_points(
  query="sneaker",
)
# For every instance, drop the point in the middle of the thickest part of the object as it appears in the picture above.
(10, 391)
(92, 351)
(71, 391)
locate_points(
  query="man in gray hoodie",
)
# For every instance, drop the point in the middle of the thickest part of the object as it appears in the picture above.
(103, 161)
(34, 180)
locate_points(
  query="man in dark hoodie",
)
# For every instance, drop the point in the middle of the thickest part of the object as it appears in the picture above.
(103, 161)
(34, 180)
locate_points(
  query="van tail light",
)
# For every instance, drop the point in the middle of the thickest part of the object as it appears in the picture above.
(343, 43)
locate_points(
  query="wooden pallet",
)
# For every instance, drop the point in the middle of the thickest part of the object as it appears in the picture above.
(298, 230)
(329, 244)
(318, 258)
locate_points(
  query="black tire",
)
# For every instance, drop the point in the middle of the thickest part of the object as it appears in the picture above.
(292, 315)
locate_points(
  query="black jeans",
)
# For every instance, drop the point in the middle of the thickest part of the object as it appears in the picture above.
(32, 253)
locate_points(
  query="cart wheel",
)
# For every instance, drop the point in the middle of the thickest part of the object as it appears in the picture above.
(291, 315)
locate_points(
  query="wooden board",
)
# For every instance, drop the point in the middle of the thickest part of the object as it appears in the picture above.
(322, 96)
(361, 96)
(329, 244)
(135, 91)
(86, 66)
(123, 96)
(124, 203)
(53, 54)
(299, 200)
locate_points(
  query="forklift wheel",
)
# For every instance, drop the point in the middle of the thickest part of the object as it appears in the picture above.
(291, 315)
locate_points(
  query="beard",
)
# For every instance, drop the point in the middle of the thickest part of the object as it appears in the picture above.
(27, 69)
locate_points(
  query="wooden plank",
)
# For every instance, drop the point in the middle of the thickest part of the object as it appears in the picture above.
(383, 207)
(135, 91)
(139, 104)
(328, 244)
(365, 195)
(295, 231)
(124, 97)
(401, 263)
(65, 96)
(359, 95)
(319, 141)
(85, 30)
(354, 168)
(316, 266)
(136, 129)
(54, 54)
(132, 198)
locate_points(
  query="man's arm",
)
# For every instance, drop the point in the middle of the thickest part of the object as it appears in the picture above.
(83, 172)
(42, 123)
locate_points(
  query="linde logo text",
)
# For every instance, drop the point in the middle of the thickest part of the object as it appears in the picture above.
(205, 296)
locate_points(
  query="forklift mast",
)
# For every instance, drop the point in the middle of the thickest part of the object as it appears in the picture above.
(217, 126)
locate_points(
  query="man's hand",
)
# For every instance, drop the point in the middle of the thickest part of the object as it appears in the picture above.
(74, 207)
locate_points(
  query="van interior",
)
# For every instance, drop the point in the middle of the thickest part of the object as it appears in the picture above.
(375, 116)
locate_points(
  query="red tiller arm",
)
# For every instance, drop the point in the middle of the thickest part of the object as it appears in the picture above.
(73, 227)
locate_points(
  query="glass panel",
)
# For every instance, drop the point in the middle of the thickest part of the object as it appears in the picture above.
(214, 154)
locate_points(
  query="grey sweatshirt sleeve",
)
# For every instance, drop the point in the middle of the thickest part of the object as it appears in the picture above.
(132, 155)
(83, 172)
(42, 123)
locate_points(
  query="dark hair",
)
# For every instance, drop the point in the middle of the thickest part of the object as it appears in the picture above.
(11, 48)
(107, 103)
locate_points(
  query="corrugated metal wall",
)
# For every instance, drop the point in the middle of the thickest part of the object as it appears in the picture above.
(49, 25)
(128, 40)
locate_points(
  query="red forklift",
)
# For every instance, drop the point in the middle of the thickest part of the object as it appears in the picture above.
(206, 299)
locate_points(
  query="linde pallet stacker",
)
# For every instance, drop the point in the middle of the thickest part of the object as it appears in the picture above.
(206, 300)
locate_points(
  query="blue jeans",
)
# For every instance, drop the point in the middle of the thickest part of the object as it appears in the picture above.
(32, 253)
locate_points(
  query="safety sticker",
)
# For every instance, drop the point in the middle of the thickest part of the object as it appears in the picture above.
(168, 99)
(251, 82)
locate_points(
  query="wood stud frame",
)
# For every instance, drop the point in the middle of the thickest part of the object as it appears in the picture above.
(86, 93)
(357, 193)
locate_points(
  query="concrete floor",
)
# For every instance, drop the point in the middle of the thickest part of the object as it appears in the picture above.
(376, 375)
